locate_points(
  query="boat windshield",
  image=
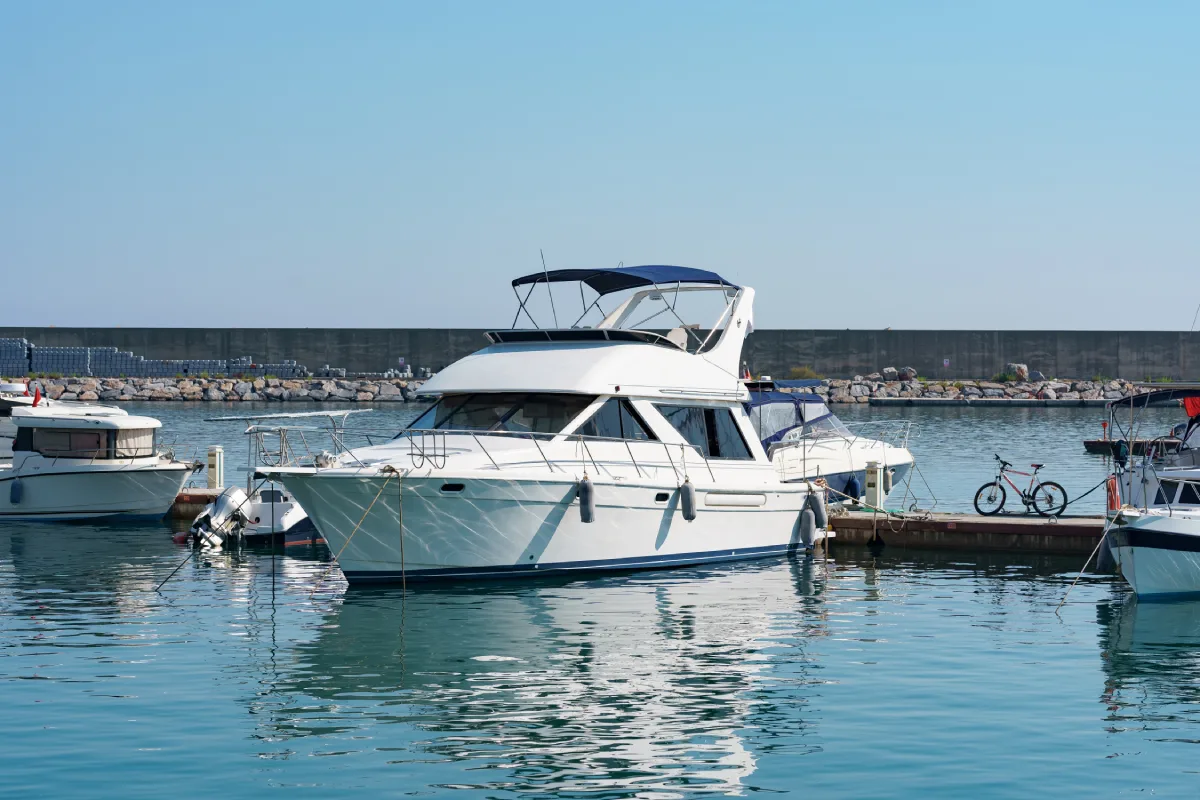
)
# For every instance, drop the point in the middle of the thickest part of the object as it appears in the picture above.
(488, 411)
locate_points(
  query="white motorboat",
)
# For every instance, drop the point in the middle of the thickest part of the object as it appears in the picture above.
(263, 512)
(19, 395)
(806, 440)
(558, 450)
(1154, 501)
(86, 463)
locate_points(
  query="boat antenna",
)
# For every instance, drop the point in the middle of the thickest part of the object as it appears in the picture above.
(546, 272)
(1194, 316)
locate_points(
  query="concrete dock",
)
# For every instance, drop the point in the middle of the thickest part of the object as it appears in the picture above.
(970, 532)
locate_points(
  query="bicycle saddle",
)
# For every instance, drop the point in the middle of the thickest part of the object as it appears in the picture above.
(1037, 466)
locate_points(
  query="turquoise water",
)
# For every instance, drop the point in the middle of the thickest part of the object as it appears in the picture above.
(864, 675)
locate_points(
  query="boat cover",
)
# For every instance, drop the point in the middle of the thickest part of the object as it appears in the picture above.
(773, 414)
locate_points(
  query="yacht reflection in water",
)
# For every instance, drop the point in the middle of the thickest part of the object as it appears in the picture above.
(632, 682)
(1151, 657)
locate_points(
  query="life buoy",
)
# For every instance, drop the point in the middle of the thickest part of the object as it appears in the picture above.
(1114, 496)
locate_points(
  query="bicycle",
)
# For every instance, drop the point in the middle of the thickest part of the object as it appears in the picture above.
(1047, 498)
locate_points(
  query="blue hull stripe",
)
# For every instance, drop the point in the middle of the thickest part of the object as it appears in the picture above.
(561, 567)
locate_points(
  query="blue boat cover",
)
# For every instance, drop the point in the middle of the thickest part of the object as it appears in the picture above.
(616, 279)
(773, 414)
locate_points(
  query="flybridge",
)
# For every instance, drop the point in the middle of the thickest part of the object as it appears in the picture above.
(658, 286)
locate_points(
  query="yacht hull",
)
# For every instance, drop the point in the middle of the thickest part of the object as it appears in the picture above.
(91, 493)
(470, 527)
(1159, 556)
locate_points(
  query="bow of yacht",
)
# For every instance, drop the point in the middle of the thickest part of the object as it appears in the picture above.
(572, 449)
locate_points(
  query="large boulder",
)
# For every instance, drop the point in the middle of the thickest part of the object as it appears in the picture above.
(1049, 394)
(890, 374)
(907, 374)
(1034, 375)
(243, 388)
(213, 393)
(859, 390)
(1019, 371)
(318, 394)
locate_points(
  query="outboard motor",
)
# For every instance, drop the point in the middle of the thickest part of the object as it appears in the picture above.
(221, 519)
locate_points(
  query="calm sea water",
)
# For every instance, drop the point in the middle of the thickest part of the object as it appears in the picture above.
(864, 675)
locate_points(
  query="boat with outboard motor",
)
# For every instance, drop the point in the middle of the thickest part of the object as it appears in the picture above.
(87, 462)
(805, 440)
(264, 513)
(564, 450)
(1154, 499)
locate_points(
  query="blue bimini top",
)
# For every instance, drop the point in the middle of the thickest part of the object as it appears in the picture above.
(616, 279)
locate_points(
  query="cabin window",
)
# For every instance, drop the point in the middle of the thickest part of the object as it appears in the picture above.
(1190, 494)
(712, 431)
(51, 441)
(616, 419)
(527, 413)
(135, 442)
(1166, 493)
(63, 442)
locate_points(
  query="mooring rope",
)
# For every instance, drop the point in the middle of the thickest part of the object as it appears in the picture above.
(337, 557)
(1096, 549)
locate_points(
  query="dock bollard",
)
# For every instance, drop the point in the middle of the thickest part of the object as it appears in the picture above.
(874, 493)
(216, 467)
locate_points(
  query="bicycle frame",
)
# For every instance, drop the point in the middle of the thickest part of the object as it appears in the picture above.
(1003, 473)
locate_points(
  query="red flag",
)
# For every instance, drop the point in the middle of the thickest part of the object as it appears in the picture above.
(1192, 406)
(37, 395)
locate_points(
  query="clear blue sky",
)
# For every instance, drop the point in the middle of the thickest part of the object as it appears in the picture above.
(907, 164)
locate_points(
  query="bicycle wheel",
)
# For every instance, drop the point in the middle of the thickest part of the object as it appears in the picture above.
(989, 499)
(1049, 499)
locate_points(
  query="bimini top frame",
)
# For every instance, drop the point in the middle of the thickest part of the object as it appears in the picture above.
(653, 280)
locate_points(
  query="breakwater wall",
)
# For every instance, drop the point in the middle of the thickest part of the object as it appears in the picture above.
(935, 355)
(869, 389)
(223, 390)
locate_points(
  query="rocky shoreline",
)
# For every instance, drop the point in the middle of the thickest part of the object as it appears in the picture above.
(228, 389)
(859, 389)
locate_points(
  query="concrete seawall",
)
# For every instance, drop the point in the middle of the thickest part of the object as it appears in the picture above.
(971, 354)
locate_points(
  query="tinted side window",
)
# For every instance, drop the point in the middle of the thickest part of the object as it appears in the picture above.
(689, 421)
(712, 430)
(616, 419)
(1190, 494)
(724, 433)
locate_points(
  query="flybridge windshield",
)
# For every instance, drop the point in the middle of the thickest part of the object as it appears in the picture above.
(518, 413)
(679, 306)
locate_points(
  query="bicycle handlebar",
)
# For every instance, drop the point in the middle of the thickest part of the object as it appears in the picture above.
(1002, 461)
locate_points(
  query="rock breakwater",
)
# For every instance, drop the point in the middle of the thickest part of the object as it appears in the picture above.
(107, 390)
(862, 389)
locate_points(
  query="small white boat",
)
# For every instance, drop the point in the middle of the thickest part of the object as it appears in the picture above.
(806, 441)
(87, 462)
(568, 450)
(19, 395)
(263, 512)
(1154, 499)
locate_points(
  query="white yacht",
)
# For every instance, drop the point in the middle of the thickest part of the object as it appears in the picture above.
(86, 462)
(609, 447)
(1154, 502)
(804, 438)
